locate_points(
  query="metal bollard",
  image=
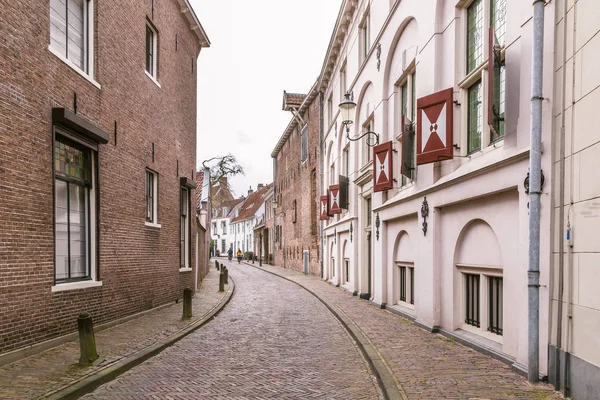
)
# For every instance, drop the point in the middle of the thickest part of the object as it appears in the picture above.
(217, 264)
(87, 342)
(226, 276)
(222, 281)
(187, 303)
(253, 259)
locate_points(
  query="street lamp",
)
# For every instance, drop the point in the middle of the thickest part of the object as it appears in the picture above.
(347, 110)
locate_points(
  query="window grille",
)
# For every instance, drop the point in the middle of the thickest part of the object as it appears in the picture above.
(472, 299)
(495, 305)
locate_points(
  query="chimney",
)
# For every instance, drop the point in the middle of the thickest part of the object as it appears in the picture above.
(260, 186)
(250, 191)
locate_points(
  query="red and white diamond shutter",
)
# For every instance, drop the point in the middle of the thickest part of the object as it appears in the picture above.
(383, 167)
(324, 207)
(334, 200)
(434, 127)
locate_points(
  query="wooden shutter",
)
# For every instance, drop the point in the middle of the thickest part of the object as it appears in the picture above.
(434, 127)
(407, 165)
(334, 200)
(383, 167)
(324, 204)
(344, 188)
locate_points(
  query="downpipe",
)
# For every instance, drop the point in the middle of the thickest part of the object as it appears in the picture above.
(535, 158)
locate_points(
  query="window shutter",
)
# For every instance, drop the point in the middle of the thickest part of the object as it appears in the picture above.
(334, 199)
(324, 208)
(344, 188)
(76, 33)
(408, 145)
(383, 167)
(434, 127)
(58, 26)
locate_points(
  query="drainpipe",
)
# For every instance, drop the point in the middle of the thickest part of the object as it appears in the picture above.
(320, 166)
(561, 218)
(535, 168)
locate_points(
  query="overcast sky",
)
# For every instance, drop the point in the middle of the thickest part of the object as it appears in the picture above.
(258, 49)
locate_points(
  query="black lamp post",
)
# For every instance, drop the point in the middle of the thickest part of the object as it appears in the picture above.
(347, 110)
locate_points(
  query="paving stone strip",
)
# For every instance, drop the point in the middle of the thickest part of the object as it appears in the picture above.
(54, 373)
(423, 364)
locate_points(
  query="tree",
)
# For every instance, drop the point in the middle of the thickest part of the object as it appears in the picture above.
(221, 166)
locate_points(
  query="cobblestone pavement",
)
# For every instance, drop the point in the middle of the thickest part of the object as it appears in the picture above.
(426, 365)
(53, 369)
(274, 340)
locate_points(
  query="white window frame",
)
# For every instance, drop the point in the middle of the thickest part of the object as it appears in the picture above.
(368, 126)
(330, 109)
(484, 274)
(479, 75)
(407, 79)
(364, 36)
(91, 280)
(87, 71)
(154, 65)
(410, 274)
(153, 222)
(347, 269)
(343, 82)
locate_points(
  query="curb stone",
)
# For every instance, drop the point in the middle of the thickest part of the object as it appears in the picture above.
(91, 382)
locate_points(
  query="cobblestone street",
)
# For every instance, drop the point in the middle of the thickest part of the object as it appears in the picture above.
(273, 340)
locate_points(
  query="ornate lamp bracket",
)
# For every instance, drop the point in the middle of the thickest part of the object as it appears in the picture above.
(334, 236)
(351, 229)
(377, 223)
(424, 215)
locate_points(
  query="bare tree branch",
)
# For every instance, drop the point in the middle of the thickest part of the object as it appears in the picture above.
(221, 166)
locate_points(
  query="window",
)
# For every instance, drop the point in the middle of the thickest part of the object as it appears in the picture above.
(333, 267)
(330, 110)
(475, 115)
(364, 40)
(483, 302)
(346, 161)
(495, 305)
(151, 51)
(367, 127)
(304, 144)
(407, 284)
(71, 32)
(74, 202)
(214, 228)
(151, 197)
(343, 84)
(485, 29)
(332, 174)
(347, 270)
(224, 227)
(472, 299)
(407, 122)
(184, 254)
(369, 212)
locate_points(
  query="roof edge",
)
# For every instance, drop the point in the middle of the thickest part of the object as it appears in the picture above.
(195, 25)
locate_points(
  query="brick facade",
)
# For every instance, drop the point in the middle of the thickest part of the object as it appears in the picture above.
(138, 265)
(297, 181)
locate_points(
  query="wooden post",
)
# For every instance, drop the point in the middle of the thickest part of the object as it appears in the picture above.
(187, 303)
(87, 342)
(222, 281)
(226, 275)
(217, 264)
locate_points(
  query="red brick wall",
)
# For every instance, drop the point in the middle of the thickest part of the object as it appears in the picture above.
(139, 266)
(293, 180)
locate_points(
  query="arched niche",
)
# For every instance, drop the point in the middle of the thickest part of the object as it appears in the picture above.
(403, 249)
(477, 245)
(404, 51)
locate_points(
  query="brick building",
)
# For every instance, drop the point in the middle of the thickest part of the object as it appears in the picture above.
(296, 176)
(97, 160)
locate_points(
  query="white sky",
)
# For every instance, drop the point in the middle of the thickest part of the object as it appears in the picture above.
(258, 50)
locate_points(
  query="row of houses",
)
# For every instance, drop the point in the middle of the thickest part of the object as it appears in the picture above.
(403, 175)
(98, 182)
(234, 221)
